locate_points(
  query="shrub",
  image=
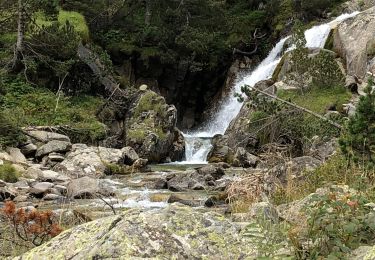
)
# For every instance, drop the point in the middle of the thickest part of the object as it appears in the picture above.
(33, 226)
(358, 142)
(10, 133)
(338, 223)
(8, 173)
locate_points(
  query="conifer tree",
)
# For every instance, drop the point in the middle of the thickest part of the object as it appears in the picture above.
(358, 142)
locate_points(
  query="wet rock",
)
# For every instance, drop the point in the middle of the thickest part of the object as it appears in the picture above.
(180, 199)
(203, 178)
(244, 159)
(45, 137)
(164, 234)
(129, 155)
(220, 151)
(53, 146)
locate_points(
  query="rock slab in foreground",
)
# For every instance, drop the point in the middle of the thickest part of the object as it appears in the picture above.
(176, 232)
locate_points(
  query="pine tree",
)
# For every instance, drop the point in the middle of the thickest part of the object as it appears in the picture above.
(358, 142)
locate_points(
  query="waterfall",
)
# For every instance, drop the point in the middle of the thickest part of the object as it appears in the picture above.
(198, 143)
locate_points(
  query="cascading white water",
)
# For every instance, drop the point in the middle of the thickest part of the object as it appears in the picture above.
(198, 142)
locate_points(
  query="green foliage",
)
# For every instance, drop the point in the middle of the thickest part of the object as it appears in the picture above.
(358, 142)
(338, 223)
(116, 169)
(10, 133)
(325, 71)
(8, 173)
(27, 105)
(268, 238)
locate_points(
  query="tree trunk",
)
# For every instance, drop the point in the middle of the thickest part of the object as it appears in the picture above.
(148, 13)
(20, 35)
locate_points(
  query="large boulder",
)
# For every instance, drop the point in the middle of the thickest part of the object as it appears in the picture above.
(220, 151)
(201, 179)
(88, 161)
(17, 156)
(53, 146)
(86, 188)
(242, 158)
(151, 129)
(354, 41)
(45, 137)
(175, 232)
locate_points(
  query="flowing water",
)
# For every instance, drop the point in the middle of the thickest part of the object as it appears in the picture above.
(198, 142)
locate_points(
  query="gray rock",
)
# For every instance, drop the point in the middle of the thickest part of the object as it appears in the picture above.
(52, 196)
(53, 146)
(33, 172)
(41, 188)
(29, 149)
(129, 155)
(2, 183)
(351, 40)
(7, 193)
(45, 137)
(52, 176)
(17, 156)
(86, 187)
(22, 185)
(264, 210)
(88, 161)
(5, 157)
(176, 232)
(244, 159)
(21, 198)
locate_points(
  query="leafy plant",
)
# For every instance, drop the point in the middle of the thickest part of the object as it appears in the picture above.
(8, 173)
(337, 223)
(358, 142)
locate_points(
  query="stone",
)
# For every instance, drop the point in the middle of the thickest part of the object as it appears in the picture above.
(201, 179)
(88, 161)
(21, 198)
(17, 156)
(264, 210)
(52, 196)
(157, 234)
(323, 150)
(220, 151)
(152, 130)
(295, 168)
(2, 183)
(85, 188)
(7, 193)
(183, 200)
(33, 172)
(129, 155)
(351, 39)
(61, 189)
(22, 185)
(244, 159)
(4, 156)
(29, 149)
(143, 87)
(53, 146)
(45, 137)
(52, 176)
(41, 188)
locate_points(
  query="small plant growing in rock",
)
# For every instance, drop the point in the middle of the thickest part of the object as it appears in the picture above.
(8, 173)
(32, 226)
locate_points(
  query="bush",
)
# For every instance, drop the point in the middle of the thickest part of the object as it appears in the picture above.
(338, 223)
(10, 133)
(358, 142)
(8, 173)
